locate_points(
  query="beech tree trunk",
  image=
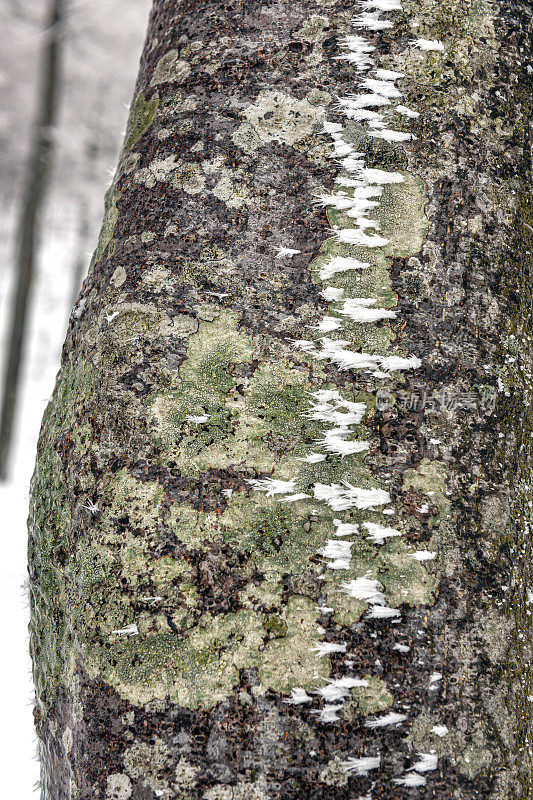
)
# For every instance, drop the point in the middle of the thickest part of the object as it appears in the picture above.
(280, 531)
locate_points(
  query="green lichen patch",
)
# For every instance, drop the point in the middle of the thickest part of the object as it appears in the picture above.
(401, 215)
(108, 224)
(226, 413)
(335, 470)
(277, 395)
(110, 580)
(188, 441)
(470, 754)
(464, 25)
(141, 117)
(203, 667)
(51, 546)
(365, 700)
(196, 423)
(274, 414)
(196, 670)
(264, 596)
(406, 580)
(76, 384)
(127, 321)
(212, 352)
(118, 566)
(287, 661)
(347, 610)
(403, 579)
(281, 538)
(313, 30)
(440, 83)
(139, 500)
(373, 282)
(94, 563)
(403, 222)
(130, 518)
(191, 527)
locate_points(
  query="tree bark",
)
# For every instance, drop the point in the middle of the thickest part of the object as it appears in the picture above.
(28, 227)
(280, 532)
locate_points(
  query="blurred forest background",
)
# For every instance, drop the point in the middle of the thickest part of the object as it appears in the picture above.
(81, 55)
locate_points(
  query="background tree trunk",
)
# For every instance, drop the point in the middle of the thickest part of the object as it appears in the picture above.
(27, 235)
(199, 629)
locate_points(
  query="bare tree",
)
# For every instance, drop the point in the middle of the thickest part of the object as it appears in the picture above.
(280, 530)
(28, 228)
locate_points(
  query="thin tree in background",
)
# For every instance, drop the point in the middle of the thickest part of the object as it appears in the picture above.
(28, 227)
(84, 230)
(79, 267)
(280, 533)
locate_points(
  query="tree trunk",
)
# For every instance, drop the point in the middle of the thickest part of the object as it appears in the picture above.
(280, 532)
(27, 235)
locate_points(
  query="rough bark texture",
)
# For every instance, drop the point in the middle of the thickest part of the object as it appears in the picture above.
(174, 605)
